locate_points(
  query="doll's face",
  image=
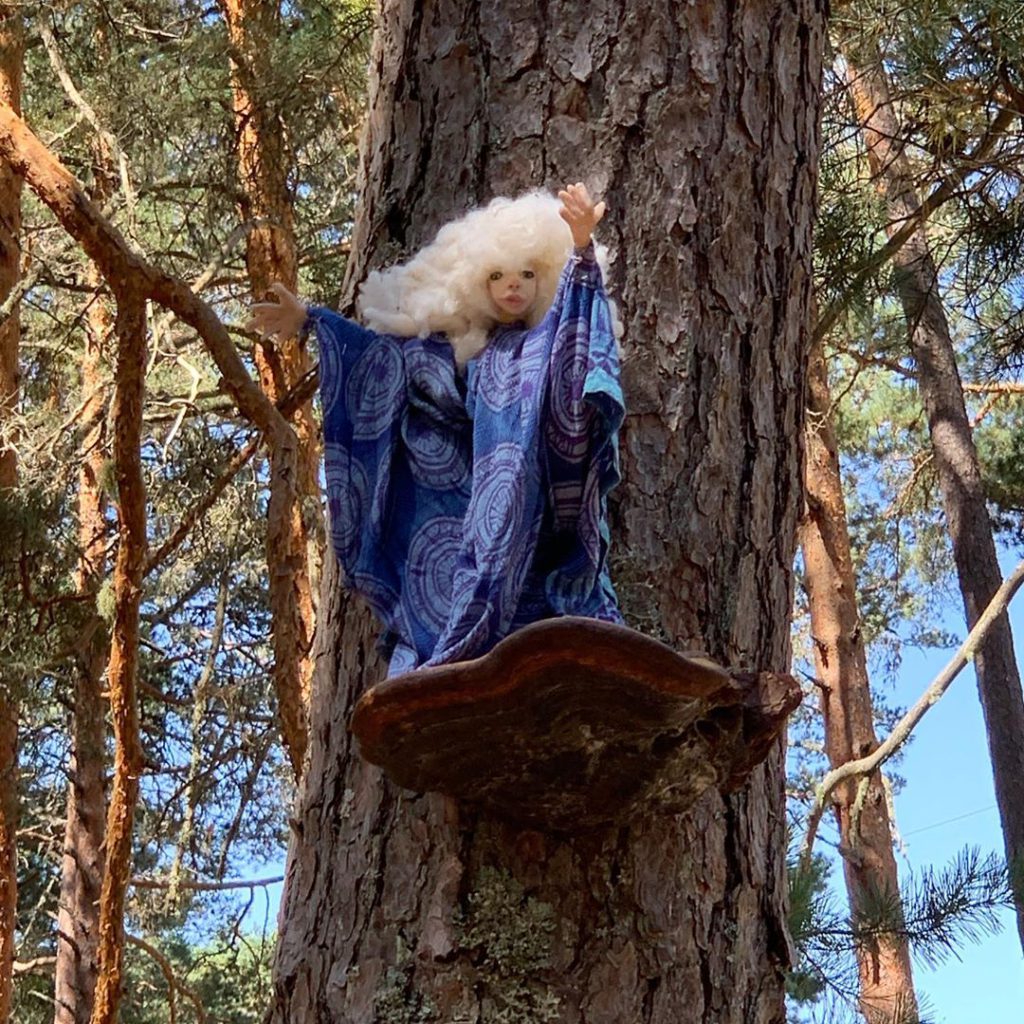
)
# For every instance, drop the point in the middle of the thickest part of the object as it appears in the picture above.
(513, 292)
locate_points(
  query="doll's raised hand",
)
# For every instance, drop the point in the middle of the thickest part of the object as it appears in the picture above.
(580, 212)
(284, 317)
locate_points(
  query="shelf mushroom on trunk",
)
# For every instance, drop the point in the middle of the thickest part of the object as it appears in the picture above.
(572, 724)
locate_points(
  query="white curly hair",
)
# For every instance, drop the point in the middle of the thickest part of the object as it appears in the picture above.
(443, 288)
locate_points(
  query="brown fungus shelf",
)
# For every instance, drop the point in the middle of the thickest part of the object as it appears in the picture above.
(573, 724)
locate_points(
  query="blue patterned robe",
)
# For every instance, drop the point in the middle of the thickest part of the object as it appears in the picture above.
(464, 508)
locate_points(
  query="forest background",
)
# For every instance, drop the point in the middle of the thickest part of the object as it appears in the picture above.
(221, 139)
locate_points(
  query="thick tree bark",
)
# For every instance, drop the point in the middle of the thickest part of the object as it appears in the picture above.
(253, 26)
(698, 125)
(11, 54)
(122, 666)
(956, 459)
(869, 867)
(82, 864)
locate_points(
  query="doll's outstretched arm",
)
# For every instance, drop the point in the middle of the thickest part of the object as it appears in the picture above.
(284, 317)
(580, 212)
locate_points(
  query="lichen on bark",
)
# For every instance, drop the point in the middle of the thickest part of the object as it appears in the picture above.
(512, 932)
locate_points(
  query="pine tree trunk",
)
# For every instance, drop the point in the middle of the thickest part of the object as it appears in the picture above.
(869, 867)
(253, 27)
(82, 863)
(122, 666)
(698, 125)
(956, 459)
(8, 847)
(11, 54)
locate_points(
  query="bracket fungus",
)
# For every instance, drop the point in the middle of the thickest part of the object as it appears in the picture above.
(572, 724)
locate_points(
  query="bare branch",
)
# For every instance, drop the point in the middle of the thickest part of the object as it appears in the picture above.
(904, 727)
(108, 140)
(173, 984)
(201, 507)
(37, 965)
(141, 882)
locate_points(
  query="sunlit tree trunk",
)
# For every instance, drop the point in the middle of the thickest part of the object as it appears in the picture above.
(82, 864)
(698, 124)
(264, 197)
(956, 459)
(869, 867)
(11, 54)
(122, 665)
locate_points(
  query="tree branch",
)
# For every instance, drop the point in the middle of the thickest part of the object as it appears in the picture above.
(201, 507)
(938, 197)
(173, 984)
(141, 882)
(904, 727)
(117, 261)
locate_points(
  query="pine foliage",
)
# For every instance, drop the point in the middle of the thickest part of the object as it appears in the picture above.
(940, 911)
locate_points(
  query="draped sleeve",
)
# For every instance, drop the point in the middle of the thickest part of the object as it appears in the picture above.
(582, 414)
(362, 391)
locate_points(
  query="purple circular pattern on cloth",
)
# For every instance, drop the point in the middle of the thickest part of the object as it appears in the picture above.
(381, 597)
(347, 489)
(403, 659)
(433, 376)
(330, 371)
(495, 512)
(467, 608)
(568, 430)
(433, 552)
(499, 375)
(470, 624)
(507, 368)
(375, 389)
(436, 458)
(590, 518)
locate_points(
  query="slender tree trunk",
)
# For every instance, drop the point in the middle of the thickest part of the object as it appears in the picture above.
(82, 864)
(11, 54)
(263, 164)
(886, 978)
(698, 124)
(8, 847)
(956, 459)
(122, 666)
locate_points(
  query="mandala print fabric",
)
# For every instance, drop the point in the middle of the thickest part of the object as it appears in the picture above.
(462, 509)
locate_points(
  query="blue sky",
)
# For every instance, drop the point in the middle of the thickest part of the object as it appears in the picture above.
(947, 803)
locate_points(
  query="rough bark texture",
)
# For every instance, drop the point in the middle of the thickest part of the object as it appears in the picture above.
(698, 124)
(264, 198)
(869, 867)
(956, 459)
(11, 53)
(122, 666)
(82, 864)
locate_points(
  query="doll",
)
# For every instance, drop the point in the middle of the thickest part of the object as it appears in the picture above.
(471, 429)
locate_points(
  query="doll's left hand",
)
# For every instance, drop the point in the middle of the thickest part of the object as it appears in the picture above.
(580, 213)
(284, 317)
